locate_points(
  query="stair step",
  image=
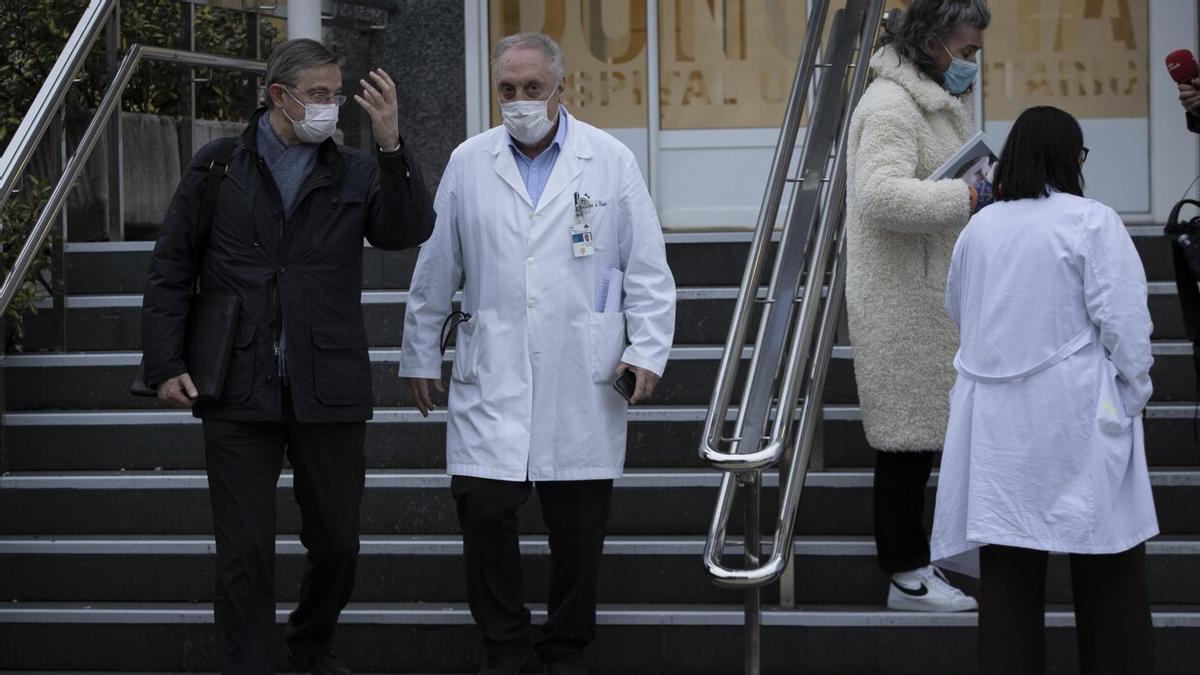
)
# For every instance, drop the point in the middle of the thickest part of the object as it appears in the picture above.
(399, 438)
(113, 322)
(696, 259)
(454, 614)
(829, 570)
(663, 639)
(90, 381)
(703, 315)
(676, 502)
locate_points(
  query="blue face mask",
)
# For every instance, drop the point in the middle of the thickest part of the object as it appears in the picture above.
(960, 75)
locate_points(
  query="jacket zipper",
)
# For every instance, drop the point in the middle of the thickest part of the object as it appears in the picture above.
(308, 187)
(276, 312)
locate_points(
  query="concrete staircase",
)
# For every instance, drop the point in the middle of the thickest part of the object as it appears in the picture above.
(105, 534)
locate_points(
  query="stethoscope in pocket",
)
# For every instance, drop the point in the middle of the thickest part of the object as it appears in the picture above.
(450, 325)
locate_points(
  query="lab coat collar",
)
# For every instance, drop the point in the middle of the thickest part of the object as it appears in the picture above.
(574, 148)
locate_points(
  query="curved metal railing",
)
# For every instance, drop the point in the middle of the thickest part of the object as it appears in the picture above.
(799, 313)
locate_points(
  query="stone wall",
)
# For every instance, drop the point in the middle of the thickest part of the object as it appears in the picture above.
(150, 145)
(422, 48)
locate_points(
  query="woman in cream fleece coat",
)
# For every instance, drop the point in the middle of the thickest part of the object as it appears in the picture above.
(901, 230)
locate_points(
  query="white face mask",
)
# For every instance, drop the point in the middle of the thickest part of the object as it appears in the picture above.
(527, 121)
(319, 123)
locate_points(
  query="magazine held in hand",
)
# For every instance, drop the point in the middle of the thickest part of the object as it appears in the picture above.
(973, 162)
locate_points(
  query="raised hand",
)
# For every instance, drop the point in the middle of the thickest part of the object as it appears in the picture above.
(380, 103)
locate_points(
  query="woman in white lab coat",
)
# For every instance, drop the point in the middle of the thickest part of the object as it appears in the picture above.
(1044, 449)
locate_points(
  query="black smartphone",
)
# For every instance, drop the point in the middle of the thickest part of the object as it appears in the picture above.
(625, 384)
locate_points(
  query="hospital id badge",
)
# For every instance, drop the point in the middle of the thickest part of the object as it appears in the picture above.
(582, 245)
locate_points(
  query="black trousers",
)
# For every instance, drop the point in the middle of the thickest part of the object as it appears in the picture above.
(244, 460)
(900, 538)
(1112, 612)
(576, 515)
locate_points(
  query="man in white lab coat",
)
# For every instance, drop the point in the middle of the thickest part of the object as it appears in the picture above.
(547, 223)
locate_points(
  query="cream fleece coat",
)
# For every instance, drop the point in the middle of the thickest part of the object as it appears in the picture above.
(901, 231)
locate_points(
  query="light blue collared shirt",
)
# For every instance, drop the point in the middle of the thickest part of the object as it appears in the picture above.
(536, 172)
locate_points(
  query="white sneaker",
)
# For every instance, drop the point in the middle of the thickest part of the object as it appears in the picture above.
(927, 590)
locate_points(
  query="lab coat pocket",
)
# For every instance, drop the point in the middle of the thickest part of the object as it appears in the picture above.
(466, 352)
(1110, 406)
(606, 331)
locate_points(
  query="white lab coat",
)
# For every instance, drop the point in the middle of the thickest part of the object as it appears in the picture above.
(1045, 448)
(530, 395)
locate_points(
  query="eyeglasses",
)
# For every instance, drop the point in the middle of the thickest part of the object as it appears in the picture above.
(1083, 155)
(318, 97)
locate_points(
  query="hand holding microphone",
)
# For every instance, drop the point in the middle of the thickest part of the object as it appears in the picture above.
(1189, 97)
(1181, 64)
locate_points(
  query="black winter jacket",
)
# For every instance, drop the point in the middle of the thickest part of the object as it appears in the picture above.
(307, 272)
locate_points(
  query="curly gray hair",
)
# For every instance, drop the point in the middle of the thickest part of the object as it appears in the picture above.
(908, 31)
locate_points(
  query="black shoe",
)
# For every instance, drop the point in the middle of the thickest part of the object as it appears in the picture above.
(502, 668)
(319, 664)
(566, 668)
(508, 660)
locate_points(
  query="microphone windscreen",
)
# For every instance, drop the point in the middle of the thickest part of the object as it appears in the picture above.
(1181, 64)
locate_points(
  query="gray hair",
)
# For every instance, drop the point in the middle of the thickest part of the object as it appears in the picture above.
(288, 59)
(908, 31)
(539, 41)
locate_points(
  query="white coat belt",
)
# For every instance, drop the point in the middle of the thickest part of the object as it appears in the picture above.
(1077, 343)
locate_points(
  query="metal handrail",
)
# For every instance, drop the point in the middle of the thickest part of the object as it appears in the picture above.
(203, 60)
(41, 229)
(711, 445)
(29, 133)
(807, 331)
(799, 319)
(109, 105)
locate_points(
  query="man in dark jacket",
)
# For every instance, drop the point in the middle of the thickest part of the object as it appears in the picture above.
(287, 237)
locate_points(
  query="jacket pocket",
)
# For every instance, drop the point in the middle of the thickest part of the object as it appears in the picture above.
(239, 378)
(606, 332)
(1110, 406)
(466, 352)
(341, 365)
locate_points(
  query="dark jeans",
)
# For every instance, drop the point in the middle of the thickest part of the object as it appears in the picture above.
(900, 538)
(244, 460)
(1112, 612)
(576, 515)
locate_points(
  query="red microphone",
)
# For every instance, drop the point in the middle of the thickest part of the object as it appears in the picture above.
(1181, 64)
